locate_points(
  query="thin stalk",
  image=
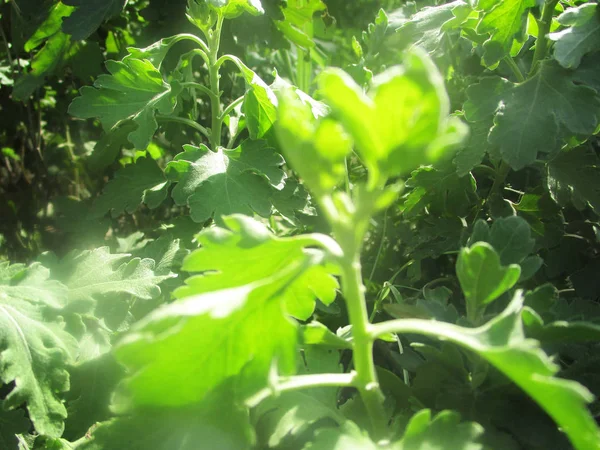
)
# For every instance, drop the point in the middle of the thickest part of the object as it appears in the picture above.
(215, 102)
(541, 44)
(199, 87)
(515, 69)
(501, 175)
(297, 382)
(185, 121)
(231, 106)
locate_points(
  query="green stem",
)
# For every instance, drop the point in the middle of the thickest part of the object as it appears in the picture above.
(362, 344)
(185, 121)
(541, 43)
(231, 106)
(199, 87)
(515, 69)
(215, 102)
(297, 382)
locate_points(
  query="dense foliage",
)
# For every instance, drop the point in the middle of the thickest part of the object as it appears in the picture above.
(299, 224)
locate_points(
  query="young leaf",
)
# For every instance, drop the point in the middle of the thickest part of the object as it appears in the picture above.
(156, 53)
(482, 278)
(582, 35)
(504, 21)
(316, 149)
(511, 239)
(534, 114)
(89, 15)
(34, 351)
(134, 90)
(443, 431)
(297, 14)
(403, 122)
(199, 342)
(137, 183)
(247, 252)
(234, 8)
(226, 181)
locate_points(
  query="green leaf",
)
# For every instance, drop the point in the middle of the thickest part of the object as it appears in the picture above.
(92, 273)
(109, 146)
(246, 252)
(34, 351)
(89, 398)
(221, 426)
(442, 192)
(89, 15)
(511, 239)
(156, 53)
(347, 437)
(12, 423)
(49, 27)
(581, 37)
(284, 418)
(504, 21)
(316, 149)
(234, 8)
(220, 334)
(260, 102)
(315, 333)
(214, 184)
(482, 277)
(134, 90)
(575, 172)
(297, 14)
(534, 114)
(50, 59)
(140, 182)
(199, 13)
(443, 431)
(502, 342)
(403, 122)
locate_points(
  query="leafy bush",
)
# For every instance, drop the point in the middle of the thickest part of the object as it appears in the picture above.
(391, 245)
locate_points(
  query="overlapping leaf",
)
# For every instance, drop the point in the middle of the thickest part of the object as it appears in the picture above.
(199, 342)
(502, 342)
(247, 252)
(442, 431)
(403, 122)
(134, 90)
(534, 116)
(224, 182)
(93, 273)
(140, 182)
(34, 351)
(581, 36)
(503, 21)
(89, 15)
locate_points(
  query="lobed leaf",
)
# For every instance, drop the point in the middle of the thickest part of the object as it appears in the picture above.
(134, 90)
(199, 342)
(214, 184)
(246, 252)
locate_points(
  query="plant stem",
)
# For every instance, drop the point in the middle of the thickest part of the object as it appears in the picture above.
(362, 344)
(297, 382)
(541, 43)
(200, 87)
(185, 121)
(215, 102)
(231, 106)
(515, 69)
